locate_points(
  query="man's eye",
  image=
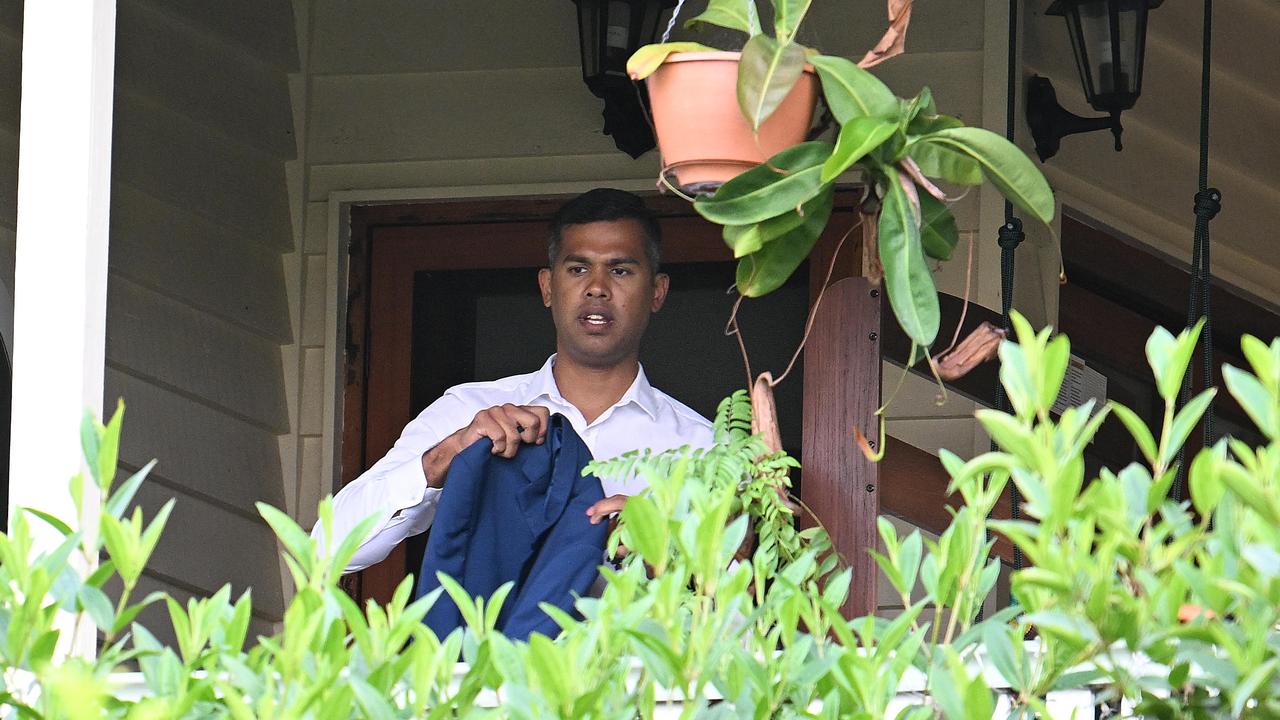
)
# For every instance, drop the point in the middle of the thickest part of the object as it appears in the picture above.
(621, 271)
(577, 270)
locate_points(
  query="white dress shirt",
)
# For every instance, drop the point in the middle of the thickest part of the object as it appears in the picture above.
(395, 487)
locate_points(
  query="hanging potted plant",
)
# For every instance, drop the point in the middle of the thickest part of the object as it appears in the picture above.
(774, 210)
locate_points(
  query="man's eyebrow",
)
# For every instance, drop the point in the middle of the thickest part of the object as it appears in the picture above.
(613, 261)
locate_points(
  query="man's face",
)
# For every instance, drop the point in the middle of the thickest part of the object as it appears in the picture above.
(601, 292)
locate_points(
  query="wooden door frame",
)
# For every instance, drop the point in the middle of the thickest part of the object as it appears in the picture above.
(850, 515)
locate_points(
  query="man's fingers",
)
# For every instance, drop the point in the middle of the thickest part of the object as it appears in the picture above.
(529, 425)
(493, 424)
(507, 426)
(544, 420)
(606, 507)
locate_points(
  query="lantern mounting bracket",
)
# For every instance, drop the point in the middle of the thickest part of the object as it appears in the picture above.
(1050, 122)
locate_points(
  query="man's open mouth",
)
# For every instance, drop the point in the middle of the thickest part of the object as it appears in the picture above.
(596, 320)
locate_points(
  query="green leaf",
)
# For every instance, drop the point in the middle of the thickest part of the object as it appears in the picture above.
(293, 537)
(54, 522)
(1253, 397)
(90, 437)
(1184, 422)
(853, 92)
(938, 231)
(1005, 165)
(644, 530)
(1249, 492)
(907, 278)
(787, 16)
(786, 181)
(109, 448)
(937, 161)
(767, 71)
(97, 605)
(1264, 359)
(930, 121)
(1008, 433)
(372, 703)
(1251, 684)
(729, 14)
(1169, 356)
(649, 58)
(979, 701)
(1138, 429)
(768, 268)
(123, 495)
(1071, 628)
(746, 239)
(921, 103)
(1204, 480)
(858, 137)
(1053, 368)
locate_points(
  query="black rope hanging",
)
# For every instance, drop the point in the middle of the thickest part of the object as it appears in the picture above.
(1208, 201)
(1010, 237)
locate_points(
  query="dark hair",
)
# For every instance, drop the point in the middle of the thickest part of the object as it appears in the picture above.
(603, 205)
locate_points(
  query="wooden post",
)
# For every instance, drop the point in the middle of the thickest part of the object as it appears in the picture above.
(841, 392)
(64, 183)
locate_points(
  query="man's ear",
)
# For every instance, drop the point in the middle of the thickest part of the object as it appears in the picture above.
(661, 283)
(544, 284)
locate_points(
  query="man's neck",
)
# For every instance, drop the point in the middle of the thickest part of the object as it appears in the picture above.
(593, 390)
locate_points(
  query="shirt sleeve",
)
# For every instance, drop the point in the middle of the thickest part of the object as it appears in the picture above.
(394, 489)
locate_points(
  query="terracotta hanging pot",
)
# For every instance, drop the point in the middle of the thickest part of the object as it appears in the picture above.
(702, 135)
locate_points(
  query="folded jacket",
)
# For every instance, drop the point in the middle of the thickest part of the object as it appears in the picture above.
(520, 520)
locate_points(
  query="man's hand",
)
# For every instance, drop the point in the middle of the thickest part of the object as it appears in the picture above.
(507, 426)
(601, 510)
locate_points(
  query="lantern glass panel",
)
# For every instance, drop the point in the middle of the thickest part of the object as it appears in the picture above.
(1106, 36)
(588, 20)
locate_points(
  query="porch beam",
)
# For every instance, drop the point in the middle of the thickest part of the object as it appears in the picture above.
(64, 167)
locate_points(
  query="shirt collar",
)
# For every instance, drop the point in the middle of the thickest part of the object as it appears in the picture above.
(641, 392)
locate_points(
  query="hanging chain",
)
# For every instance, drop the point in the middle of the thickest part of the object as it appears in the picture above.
(666, 34)
(1010, 237)
(1208, 202)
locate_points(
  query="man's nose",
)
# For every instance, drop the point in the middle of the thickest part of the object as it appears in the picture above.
(598, 285)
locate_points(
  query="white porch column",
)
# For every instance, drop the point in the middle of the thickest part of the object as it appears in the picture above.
(64, 164)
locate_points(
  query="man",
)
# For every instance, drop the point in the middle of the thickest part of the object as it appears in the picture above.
(602, 284)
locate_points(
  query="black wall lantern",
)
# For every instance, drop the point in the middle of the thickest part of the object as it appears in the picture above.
(1109, 38)
(609, 31)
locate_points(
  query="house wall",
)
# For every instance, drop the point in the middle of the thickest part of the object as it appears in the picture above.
(197, 299)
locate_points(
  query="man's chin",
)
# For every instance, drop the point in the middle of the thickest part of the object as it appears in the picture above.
(599, 356)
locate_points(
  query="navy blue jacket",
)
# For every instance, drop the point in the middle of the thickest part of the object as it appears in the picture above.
(522, 520)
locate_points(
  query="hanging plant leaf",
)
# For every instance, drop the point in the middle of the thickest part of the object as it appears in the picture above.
(787, 16)
(907, 279)
(938, 161)
(851, 91)
(921, 104)
(746, 239)
(731, 14)
(938, 232)
(926, 123)
(766, 73)
(767, 269)
(649, 58)
(857, 137)
(1004, 164)
(784, 182)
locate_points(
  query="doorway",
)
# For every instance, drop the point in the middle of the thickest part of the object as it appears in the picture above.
(446, 293)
